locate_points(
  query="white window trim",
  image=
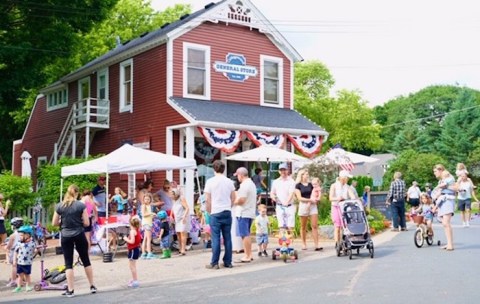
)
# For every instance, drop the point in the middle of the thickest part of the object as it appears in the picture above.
(41, 159)
(99, 74)
(122, 106)
(58, 106)
(206, 49)
(80, 82)
(278, 60)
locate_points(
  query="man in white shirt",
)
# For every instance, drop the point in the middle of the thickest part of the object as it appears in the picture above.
(220, 195)
(246, 198)
(283, 191)
(413, 195)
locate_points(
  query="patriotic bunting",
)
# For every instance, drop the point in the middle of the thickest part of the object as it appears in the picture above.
(225, 140)
(308, 145)
(266, 139)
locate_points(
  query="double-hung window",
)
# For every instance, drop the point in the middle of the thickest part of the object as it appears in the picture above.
(271, 81)
(126, 86)
(196, 71)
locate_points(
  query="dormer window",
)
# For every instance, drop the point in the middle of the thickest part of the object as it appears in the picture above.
(272, 81)
(196, 71)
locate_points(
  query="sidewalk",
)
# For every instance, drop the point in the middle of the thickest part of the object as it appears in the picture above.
(115, 275)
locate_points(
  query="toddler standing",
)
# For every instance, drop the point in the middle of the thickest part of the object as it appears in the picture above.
(23, 257)
(261, 225)
(164, 234)
(13, 240)
(134, 240)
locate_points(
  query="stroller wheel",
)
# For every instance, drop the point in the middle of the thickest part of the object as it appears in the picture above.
(370, 249)
(37, 287)
(337, 248)
(350, 254)
(358, 251)
(274, 256)
(439, 243)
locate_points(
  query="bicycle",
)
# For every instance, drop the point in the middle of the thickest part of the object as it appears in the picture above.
(422, 234)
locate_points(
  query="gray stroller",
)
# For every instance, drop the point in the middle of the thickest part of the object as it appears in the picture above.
(355, 230)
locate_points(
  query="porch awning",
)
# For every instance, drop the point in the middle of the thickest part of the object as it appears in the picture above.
(236, 116)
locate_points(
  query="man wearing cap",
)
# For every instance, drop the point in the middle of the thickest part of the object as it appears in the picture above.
(99, 197)
(246, 198)
(283, 191)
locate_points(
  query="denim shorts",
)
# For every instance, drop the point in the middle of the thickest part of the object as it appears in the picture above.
(262, 238)
(243, 226)
(465, 204)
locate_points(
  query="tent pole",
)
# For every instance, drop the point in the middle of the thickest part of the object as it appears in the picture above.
(61, 189)
(106, 208)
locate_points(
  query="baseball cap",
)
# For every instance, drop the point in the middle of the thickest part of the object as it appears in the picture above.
(241, 171)
(283, 166)
(344, 173)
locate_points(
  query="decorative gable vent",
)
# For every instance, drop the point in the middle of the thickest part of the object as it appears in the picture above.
(238, 12)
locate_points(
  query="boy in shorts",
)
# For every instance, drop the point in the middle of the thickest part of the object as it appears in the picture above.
(23, 257)
(261, 225)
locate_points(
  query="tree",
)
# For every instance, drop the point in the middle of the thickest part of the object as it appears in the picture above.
(460, 129)
(414, 166)
(347, 117)
(408, 137)
(18, 190)
(49, 177)
(32, 35)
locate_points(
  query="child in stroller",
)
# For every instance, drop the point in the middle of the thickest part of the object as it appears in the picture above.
(355, 229)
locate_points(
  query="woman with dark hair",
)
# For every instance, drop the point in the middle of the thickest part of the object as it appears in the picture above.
(71, 215)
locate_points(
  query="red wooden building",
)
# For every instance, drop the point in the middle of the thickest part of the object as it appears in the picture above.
(206, 85)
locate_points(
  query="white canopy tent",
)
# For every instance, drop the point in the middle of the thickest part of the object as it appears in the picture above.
(130, 159)
(127, 159)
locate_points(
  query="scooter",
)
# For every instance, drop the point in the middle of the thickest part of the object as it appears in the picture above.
(43, 284)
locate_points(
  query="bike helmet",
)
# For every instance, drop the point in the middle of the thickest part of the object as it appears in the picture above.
(26, 229)
(16, 222)
(428, 185)
(162, 214)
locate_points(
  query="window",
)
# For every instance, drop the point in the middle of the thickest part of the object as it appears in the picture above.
(272, 81)
(196, 71)
(41, 161)
(126, 86)
(57, 99)
(102, 84)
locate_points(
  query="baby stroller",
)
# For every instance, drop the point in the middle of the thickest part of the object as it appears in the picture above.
(355, 230)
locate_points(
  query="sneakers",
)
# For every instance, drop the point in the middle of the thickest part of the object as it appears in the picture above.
(212, 266)
(150, 256)
(11, 284)
(227, 265)
(93, 289)
(18, 289)
(133, 284)
(464, 224)
(27, 289)
(467, 224)
(265, 254)
(143, 256)
(68, 294)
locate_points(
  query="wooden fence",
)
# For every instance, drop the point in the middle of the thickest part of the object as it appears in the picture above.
(34, 214)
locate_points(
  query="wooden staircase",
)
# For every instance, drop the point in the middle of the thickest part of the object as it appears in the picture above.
(85, 119)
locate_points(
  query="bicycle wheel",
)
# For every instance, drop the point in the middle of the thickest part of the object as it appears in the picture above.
(418, 238)
(429, 240)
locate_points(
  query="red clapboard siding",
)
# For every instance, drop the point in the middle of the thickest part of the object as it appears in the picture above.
(224, 39)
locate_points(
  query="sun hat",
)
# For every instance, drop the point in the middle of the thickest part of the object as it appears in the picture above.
(345, 173)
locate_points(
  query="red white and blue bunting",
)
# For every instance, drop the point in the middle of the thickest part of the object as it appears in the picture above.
(308, 145)
(225, 140)
(266, 139)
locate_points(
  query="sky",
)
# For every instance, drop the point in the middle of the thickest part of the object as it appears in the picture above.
(381, 48)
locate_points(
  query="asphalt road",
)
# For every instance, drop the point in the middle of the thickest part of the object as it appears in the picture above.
(399, 273)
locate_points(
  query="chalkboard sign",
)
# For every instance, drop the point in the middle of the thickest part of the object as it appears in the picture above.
(377, 201)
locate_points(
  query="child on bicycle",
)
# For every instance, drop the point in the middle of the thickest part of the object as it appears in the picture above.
(23, 257)
(134, 240)
(426, 209)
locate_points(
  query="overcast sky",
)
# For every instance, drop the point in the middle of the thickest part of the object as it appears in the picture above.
(382, 48)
